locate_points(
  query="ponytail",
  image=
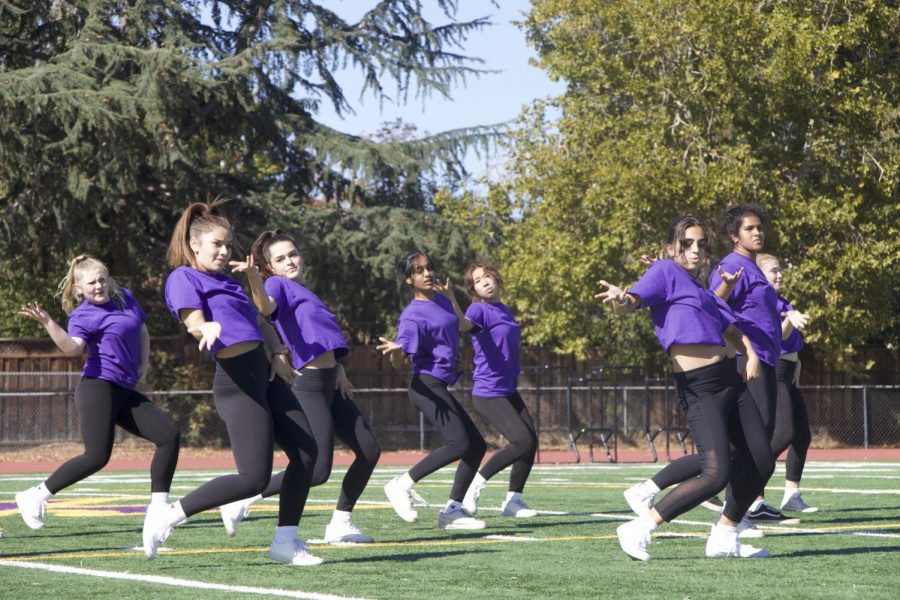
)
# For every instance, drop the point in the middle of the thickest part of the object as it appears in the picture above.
(197, 218)
(78, 266)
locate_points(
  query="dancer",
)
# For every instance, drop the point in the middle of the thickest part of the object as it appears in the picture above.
(741, 284)
(496, 340)
(315, 341)
(258, 411)
(791, 417)
(107, 322)
(428, 333)
(690, 327)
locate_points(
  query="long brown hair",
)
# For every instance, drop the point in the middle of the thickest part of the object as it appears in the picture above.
(676, 234)
(469, 281)
(260, 250)
(197, 219)
(78, 266)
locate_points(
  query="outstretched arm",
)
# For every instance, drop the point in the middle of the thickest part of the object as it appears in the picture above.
(264, 303)
(393, 350)
(197, 325)
(66, 343)
(621, 301)
(445, 289)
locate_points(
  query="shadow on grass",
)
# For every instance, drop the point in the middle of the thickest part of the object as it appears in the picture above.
(838, 551)
(412, 557)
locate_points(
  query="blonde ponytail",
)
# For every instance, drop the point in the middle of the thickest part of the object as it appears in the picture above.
(78, 266)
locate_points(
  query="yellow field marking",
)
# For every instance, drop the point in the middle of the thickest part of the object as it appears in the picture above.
(433, 544)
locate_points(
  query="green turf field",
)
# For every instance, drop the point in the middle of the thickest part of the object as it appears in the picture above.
(850, 548)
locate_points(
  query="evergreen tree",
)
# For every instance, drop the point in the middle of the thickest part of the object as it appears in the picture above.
(114, 114)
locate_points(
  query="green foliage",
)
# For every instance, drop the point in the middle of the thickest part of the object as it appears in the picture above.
(117, 114)
(691, 106)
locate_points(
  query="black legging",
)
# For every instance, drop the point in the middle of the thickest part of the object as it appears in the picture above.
(791, 422)
(510, 417)
(462, 441)
(101, 406)
(764, 392)
(331, 414)
(718, 420)
(258, 413)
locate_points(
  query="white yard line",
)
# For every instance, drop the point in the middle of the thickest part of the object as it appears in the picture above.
(174, 582)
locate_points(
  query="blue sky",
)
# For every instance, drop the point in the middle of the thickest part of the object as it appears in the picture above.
(491, 98)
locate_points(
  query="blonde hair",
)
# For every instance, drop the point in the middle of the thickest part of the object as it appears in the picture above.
(197, 219)
(762, 259)
(78, 266)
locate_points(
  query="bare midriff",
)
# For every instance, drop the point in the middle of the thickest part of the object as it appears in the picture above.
(791, 356)
(236, 349)
(322, 361)
(687, 357)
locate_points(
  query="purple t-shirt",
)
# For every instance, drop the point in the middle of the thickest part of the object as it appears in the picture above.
(221, 298)
(794, 341)
(682, 310)
(496, 340)
(753, 301)
(306, 325)
(429, 333)
(112, 335)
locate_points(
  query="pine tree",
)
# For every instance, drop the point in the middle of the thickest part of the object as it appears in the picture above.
(115, 114)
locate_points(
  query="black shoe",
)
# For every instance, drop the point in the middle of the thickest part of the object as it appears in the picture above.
(766, 512)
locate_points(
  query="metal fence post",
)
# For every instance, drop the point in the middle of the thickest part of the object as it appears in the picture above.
(421, 432)
(865, 410)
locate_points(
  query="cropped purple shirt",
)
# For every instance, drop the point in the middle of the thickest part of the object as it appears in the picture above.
(682, 310)
(306, 325)
(221, 298)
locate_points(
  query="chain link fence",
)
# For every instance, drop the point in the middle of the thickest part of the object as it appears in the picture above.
(591, 416)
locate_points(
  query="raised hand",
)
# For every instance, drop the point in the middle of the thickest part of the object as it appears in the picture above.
(730, 279)
(647, 260)
(798, 319)
(444, 288)
(613, 294)
(33, 311)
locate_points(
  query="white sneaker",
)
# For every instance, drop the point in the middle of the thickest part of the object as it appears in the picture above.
(347, 532)
(32, 508)
(458, 518)
(294, 552)
(233, 513)
(793, 502)
(400, 499)
(470, 501)
(516, 507)
(634, 537)
(721, 542)
(746, 529)
(725, 543)
(157, 528)
(748, 551)
(640, 499)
